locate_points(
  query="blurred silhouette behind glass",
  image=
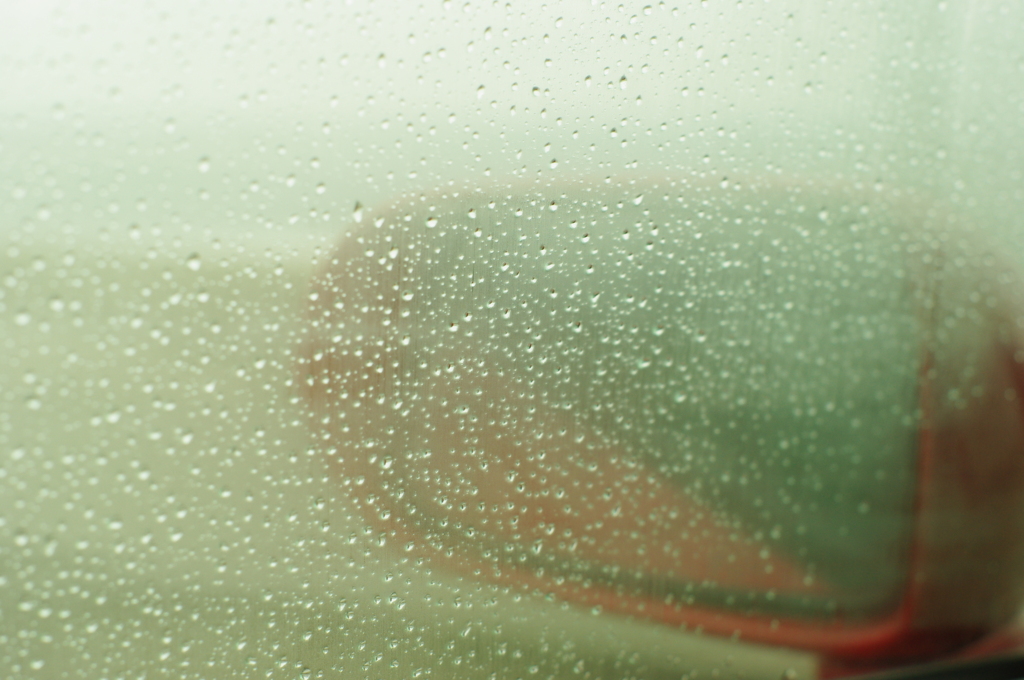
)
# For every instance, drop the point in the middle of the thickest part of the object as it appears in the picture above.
(785, 411)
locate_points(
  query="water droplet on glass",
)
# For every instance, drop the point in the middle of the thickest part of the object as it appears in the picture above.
(194, 262)
(204, 164)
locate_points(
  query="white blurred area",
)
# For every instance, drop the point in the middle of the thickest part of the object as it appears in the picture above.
(172, 174)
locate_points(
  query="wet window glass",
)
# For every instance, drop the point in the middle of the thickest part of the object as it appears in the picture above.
(485, 339)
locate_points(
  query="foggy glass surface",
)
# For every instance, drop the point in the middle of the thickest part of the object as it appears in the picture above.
(183, 189)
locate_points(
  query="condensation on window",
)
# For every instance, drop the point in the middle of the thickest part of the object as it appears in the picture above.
(485, 339)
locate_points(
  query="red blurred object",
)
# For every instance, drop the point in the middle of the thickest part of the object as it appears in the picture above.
(465, 507)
